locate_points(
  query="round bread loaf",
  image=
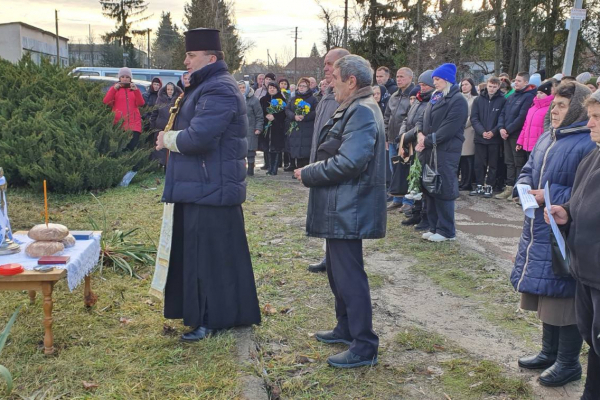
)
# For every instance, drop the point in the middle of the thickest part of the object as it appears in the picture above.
(69, 241)
(43, 248)
(53, 232)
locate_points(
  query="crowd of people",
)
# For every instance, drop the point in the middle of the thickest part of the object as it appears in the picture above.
(339, 137)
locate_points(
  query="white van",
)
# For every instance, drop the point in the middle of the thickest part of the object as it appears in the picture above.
(142, 74)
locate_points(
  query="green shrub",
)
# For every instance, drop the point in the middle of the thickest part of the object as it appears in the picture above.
(54, 126)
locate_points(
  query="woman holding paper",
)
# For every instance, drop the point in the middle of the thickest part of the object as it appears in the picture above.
(580, 218)
(554, 160)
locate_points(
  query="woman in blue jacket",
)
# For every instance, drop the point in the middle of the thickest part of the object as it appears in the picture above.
(554, 160)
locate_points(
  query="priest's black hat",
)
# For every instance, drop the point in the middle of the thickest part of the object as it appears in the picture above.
(202, 39)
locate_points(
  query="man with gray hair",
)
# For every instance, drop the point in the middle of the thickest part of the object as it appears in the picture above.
(347, 204)
(325, 109)
(395, 114)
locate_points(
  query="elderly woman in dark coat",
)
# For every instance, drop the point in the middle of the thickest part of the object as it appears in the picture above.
(554, 160)
(166, 98)
(255, 122)
(274, 139)
(300, 140)
(443, 126)
(580, 218)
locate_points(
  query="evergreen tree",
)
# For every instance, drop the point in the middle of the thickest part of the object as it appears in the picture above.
(59, 130)
(123, 12)
(112, 55)
(166, 42)
(314, 52)
(216, 14)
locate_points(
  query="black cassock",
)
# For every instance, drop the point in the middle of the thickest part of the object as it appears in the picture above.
(210, 281)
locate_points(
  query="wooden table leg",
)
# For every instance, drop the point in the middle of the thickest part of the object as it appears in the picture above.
(31, 296)
(89, 297)
(48, 337)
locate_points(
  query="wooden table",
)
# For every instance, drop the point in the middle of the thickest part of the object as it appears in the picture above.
(34, 281)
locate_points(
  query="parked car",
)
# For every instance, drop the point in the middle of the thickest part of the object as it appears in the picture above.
(108, 82)
(165, 75)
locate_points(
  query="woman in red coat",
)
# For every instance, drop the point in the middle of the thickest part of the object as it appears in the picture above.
(126, 100)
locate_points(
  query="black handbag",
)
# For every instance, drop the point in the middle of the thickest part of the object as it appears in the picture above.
(432, 180)
(560, 266)
(401, 166)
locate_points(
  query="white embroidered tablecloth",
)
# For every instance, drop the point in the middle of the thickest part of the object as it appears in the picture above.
(84, 257)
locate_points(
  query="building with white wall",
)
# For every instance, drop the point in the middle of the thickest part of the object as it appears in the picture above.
(18, 39)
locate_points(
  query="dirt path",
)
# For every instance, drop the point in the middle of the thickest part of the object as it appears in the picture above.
(492, 228)
(415, 299)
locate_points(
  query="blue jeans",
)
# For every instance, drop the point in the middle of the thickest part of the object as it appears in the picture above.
(393, 153)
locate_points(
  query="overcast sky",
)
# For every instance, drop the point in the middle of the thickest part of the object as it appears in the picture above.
(268, 24)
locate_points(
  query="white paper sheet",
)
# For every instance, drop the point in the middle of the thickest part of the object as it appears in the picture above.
(559, 237)
(527, 200)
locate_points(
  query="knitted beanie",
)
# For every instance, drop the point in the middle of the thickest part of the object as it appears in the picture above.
(414, 91)
(593, 81)
(545, 87)
(583, 77)
(446, 72)
(426, 78)
(125, 72)
(535, 79)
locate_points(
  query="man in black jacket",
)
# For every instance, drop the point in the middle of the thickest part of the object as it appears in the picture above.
(484, 120)
(346, 204)
(511, 122)
(382, 76)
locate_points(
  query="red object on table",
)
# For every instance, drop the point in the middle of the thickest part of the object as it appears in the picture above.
(51, 260)
(11, 269)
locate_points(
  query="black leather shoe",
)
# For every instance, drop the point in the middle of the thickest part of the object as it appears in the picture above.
(347, 359)
(320, 267)
(329, 337)
(413, 220)
(198, 334)
(567, 367)
(290, 168)
(547, 356)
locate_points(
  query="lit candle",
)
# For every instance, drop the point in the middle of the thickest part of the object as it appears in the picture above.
(45, 203)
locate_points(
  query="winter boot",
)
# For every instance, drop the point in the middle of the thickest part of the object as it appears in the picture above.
(274, 158)
(250, 169)
(413, 220)
(266, 165)
(478, 191)
(292, 166)
(423, 225)
(567, 367)
(506, 194)
(547, 356)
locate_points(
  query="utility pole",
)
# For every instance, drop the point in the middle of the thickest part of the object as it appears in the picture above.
(345, 45)
(573, 24)
(268, 58)
(57, 40)
(149, 30)
(91, 43)
(296, 56)
(419, 34)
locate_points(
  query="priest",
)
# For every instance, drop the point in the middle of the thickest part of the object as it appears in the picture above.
(210, 282)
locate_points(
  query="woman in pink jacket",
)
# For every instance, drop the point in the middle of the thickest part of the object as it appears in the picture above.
(534, 122)
(126, 100)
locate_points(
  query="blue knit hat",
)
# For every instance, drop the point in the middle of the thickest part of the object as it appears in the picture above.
(446, 72)
(535, 79)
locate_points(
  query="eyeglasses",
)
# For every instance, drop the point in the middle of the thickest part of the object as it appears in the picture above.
(303, 86)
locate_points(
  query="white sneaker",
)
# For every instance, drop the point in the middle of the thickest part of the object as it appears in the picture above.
(427, 235)
(438, 238)
(417, 196)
